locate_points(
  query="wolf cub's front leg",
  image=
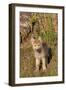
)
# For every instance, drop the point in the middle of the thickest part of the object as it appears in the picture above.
(37, 64)
(44, 63)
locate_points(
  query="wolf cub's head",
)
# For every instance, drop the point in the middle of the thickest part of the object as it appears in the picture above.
(36, 43)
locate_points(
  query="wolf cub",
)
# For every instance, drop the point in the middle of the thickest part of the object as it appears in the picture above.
(41, 52)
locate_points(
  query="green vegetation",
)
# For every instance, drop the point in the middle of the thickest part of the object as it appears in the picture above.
(46, 30)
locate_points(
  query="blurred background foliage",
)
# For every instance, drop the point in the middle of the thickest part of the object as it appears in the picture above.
(37, 23)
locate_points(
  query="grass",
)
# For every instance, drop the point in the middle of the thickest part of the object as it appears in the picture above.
(27, 59)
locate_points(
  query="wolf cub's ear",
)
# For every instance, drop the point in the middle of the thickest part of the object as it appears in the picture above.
(40, 38)
(32, 40)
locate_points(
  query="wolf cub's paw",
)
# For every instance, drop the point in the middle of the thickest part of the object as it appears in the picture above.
(36, 70)
(44, 69)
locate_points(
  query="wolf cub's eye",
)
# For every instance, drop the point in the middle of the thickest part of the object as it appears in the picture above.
(38, 45)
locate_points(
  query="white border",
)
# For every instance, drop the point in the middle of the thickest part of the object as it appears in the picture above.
(19, 80)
